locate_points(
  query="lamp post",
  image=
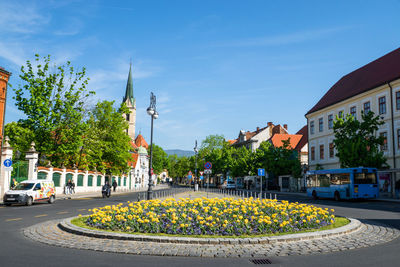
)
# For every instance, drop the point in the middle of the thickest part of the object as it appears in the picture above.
(196, 186)
(151, 110)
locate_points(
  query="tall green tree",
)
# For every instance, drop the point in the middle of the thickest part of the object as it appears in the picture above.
(160, 159)
(20, 137)
(356, 141)
(106, 144)
(53, 99)
(281, 160)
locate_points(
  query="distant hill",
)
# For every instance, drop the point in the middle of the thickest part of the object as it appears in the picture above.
(179, 152)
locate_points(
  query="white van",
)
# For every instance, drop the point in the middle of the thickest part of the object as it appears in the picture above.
(31, 191)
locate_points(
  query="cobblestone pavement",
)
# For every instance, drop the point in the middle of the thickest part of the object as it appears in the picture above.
(369, 234)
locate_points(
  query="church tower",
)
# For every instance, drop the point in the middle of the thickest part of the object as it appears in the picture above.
(130, 102)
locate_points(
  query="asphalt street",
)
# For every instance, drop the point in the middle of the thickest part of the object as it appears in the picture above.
(17, 250)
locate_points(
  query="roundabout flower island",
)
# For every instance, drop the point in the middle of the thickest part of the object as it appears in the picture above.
(227, 217)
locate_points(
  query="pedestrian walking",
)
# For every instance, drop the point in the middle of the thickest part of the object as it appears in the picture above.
(68, 187)
(114, 184)
(73, 187)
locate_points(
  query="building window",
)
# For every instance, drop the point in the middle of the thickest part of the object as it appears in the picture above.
(384, 147)
(312, 127)
(128, 116)
(330, 121)
(321, 151)
(398, 100)
(353, 111)
(331, 150)
(312, 153)
(398, 138)
(340, 114)
(382, 105)
(367, 107)
(321, 124)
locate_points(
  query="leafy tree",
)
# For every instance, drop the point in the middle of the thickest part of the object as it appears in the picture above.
(211, 144)
(356, 142)
(106, 145)
(278, 160)
(160, 159)
(53, 101)
(20, 137)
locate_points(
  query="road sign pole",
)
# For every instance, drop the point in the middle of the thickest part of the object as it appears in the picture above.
(260, 187)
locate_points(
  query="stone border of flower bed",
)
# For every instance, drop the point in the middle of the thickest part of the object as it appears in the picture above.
(67, 226)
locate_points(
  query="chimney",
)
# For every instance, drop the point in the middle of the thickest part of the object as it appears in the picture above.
(269, 123)
(285, 126)
(258, 129)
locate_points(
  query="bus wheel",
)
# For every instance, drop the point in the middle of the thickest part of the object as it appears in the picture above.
(314, 195)
(337, 196)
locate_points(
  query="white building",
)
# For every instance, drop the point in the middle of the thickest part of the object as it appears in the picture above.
(373, 87)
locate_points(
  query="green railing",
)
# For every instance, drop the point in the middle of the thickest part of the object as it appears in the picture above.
(20, 170)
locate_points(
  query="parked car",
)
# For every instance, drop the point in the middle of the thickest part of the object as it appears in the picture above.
(229, 185)
(31, 191)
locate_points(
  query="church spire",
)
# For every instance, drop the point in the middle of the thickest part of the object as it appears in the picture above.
(129, 88)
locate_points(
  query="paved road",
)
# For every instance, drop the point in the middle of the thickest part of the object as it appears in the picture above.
(16, 250)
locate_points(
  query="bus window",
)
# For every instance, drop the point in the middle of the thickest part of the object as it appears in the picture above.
(365, 178)
(312, 181)
(340, 178)
(323, 180)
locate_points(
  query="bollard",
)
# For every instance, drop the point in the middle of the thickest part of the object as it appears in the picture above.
(275, 196)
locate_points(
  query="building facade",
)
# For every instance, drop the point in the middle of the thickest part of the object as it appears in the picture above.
(4, 77)
(253, 140)
(373, 87)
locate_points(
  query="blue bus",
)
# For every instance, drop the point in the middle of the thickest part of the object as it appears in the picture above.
(348, 183)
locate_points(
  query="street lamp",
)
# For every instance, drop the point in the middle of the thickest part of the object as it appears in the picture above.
(151, 110)
(196, 186)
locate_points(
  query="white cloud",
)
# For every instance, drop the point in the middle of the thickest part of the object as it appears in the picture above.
(291, 38)
(21, 17)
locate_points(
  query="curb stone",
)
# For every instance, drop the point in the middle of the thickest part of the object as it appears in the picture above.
(67, 226)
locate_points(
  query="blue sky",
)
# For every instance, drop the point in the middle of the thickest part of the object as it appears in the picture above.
(216, 67)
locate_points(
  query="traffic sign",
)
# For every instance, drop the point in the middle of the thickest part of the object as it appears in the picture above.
(8, 169)
(201, 173)
(7, 163)
(261, 172)
(190, 173)
(207, 171)
(208, 165)
(201, 177)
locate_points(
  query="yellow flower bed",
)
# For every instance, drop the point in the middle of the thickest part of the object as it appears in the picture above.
(202, 216)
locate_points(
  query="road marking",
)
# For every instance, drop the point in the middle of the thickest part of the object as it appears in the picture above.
(16, 219)
(62, 212)
(83, 198)
(42, 215)
(1, 207)
(81, 209)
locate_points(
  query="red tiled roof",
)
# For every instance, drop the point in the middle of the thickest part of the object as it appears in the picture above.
(304, 140)
(134, 161)
(139, 141)
(231, 142)
(277, 139)
(133, 145)
(370, 76)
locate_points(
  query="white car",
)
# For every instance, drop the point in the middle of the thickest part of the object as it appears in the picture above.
(30, 191)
